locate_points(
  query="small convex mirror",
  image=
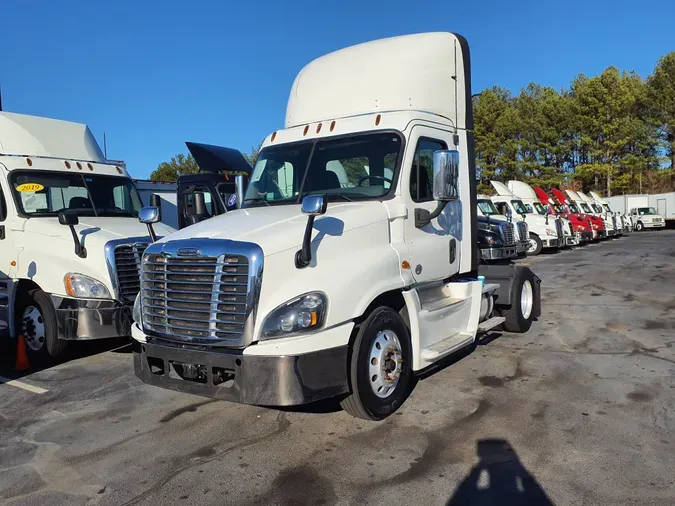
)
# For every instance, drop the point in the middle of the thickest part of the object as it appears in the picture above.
(148, 215)
(446, 175)
(314, 205)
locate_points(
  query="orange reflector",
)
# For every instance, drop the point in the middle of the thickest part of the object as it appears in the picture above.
(67, 165)
(91, 167)
(274, 136)
(29, 162)
(377, 119)
(318, 128)
(332, 126)
(306, 130)
(79, 165)
(405, 265)
(13, 263)
(313, 318)
(118, 169)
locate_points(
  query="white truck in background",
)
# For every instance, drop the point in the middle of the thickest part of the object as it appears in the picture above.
(613, 226)
(622, 219)
(657, 208)
(544, 233)
(70, 240)
(584, 205)
(321, 287)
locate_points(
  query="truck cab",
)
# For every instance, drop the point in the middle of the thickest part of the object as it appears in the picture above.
(500, 238)
(597, 211)
(581, 204)
(579, 224)
(322, 287)
(71, 240)
(544, 233)
(623, 221)
(615, 223)
(532, 203)
(597, 226)
(646, 217)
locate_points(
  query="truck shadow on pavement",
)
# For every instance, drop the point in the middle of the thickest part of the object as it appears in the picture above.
(75, 351)
(499, 477)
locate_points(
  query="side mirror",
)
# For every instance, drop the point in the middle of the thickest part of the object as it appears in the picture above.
(71, 219)
(446, 175)
(509, 214)
(312, 206)
(149, 215)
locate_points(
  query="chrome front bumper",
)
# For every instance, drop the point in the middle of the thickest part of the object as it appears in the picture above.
(498, 253)
(84, 319)
(660, 224)
(230, 375)
(552, 243)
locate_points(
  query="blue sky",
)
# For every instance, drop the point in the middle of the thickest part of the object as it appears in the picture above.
(154, 74)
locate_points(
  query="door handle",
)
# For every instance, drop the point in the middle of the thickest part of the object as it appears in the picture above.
(2, 232)
(453, 250)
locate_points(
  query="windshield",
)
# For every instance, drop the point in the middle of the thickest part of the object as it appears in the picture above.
(355, 167)
(558, 208)
(585, 207)
(540, 208)
(606, 206)
(520, 207)
(597, 208)
(42, 193)
(646, 210)
(573, 207)
(487, 207)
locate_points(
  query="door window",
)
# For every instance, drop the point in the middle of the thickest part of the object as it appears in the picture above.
(422, 172)
(3, 206)
(502, 207)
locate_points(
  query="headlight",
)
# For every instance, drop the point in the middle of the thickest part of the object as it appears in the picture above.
(551, 232)
(81, 286)
(136, 314)
(302, 314)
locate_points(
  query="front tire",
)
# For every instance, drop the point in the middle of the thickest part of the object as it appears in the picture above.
(519, 314)
(36, 323)
(380, 368)
(639, 227)
(535, 245)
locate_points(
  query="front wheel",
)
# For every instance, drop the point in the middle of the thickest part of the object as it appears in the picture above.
(535, 245)
(519, 314)
(380, 368)
(639, 226)
(36, 323)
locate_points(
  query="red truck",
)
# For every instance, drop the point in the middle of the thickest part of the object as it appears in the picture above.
(581, 225)
(596, 224)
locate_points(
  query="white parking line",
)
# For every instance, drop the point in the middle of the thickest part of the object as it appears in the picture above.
(24, 386)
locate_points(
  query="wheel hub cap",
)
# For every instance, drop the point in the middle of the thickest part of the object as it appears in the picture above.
(385, 363)
(33, 328)
(526, 299)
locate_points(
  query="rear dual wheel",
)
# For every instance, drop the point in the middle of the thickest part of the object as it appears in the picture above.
(380, 368)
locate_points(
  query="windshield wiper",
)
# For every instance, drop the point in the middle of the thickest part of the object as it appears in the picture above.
(343, 197)
(258, 199)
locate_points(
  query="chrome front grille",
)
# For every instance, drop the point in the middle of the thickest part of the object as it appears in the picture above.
(127, 270)
(559, 228)
(202, 291)
(523, 231)
(508, 231)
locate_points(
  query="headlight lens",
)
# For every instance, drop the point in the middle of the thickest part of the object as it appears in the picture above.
(302, 314)
(81, 286)
(136, 314)
(550, 232)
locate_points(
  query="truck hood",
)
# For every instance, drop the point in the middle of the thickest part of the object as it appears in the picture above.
(501, 189)
(522, 190)
(93, 231)
(544, 198)
(282, 227)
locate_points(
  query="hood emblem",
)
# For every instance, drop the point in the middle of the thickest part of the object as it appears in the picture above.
(188, 252)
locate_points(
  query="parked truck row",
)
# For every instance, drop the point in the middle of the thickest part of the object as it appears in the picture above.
(354, 256)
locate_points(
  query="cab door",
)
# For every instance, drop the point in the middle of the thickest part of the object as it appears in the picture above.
(434, 248)
(6, 284)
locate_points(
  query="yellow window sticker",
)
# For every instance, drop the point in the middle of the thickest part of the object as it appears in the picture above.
(30, 187)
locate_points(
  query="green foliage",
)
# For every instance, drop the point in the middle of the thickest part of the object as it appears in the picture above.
(252, 156)
(177, 166)
(606, 133)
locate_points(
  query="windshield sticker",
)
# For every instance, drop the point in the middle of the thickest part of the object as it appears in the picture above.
(30, 187)
(232, 200)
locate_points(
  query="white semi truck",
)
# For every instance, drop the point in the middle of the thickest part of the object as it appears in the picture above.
(545, 232)
(646, 210)
(584, 204)
(623, 220)
(614, 227)
(70, 237)
(322, 288)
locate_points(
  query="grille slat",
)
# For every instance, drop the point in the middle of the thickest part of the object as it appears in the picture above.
(508, 231)
(127, 269)
(196, 298)
(523, 231)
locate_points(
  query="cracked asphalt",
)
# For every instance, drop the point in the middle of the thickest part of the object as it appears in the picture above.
(580, 410)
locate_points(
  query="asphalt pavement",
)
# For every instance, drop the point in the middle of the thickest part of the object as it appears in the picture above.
(578, 411)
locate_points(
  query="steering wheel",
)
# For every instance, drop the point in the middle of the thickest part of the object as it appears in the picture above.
(365, 178)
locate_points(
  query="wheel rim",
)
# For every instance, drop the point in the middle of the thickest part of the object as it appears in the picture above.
(33, 328)
(385, 363)
(526, 299)
(533, 245)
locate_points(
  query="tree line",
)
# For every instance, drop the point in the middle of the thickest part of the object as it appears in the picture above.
(613, 133)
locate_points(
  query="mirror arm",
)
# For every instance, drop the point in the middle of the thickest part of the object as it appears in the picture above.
(424, 217)
(151, 232)
(303, 257)
(80, 250)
